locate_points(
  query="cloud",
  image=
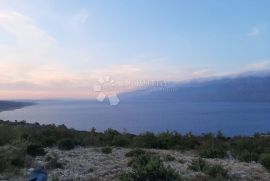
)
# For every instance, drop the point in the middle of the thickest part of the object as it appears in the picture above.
(261, 65)
(254, 31)
(27, 34)
(79, 18)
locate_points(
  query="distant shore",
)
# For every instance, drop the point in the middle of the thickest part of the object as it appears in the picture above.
(12, 105)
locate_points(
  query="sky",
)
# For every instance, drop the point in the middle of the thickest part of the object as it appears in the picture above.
(60, 49)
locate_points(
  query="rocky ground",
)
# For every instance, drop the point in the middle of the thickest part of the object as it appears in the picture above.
(86, 164)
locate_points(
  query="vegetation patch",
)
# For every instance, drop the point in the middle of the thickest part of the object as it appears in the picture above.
(135, 153)
(35, 150)
(149, 167)
(12, 158)
(265, 160)
(213, 152)
(106, 150)
(169, 158)
(53, 162)
(212, 170)
(66, 144)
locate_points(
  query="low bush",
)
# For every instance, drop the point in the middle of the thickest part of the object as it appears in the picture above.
(169, 158)
(135, 153)
(3, 163)
(213, 152)
(35, 150)
(121, 141)
(66, 144)
(12, 158)
(151, 168)
(213, 170)
(53, 162)
(247, 156)
(7, 134)
(265, 160)
(106, 150)
(216, 171)
(198, 165)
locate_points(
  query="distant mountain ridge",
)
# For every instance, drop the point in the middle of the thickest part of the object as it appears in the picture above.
(241, 89)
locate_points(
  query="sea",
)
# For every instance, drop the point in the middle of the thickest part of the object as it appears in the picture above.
(232, 118)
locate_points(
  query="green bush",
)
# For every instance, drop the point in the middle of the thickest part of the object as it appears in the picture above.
(53, 162)
(216, 171)
(198, 165)
(147, 140)
(168, 140)
(3, 163)
(35, 150)
(121, 141)
(213, 152)
(265, 160)
(213, 170)
(151, 168)
(18, 162)
(66, 144)
(12, 158)
(7, 134)
(169, 158)
(135, 153)
(106, 150)
(247, 156)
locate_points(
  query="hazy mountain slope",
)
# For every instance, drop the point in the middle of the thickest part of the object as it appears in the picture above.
(250, 88)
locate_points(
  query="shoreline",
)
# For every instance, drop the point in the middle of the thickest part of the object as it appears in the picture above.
(13, 105)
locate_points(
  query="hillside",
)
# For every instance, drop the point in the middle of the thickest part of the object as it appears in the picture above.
(242, 89)
(68, 154)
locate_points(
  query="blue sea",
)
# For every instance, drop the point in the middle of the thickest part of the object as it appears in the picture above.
(156, 116)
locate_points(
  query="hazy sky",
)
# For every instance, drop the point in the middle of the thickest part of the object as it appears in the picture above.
(60, 48)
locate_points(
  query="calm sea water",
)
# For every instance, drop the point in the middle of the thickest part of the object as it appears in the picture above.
(138, 117)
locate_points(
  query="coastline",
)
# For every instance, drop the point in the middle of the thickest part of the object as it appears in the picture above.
(13, 105)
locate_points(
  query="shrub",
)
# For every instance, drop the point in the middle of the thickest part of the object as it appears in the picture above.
(7, 134)
(247, 156)
(213, 152)
(18, 162)
(265, 160)
(147, 140)
(149, 167)
(121, 141)
(198, 165)
(212, 170)
(109, 134)
(12, 158)
(48, 142)
(53, 162)
(35, 150)
(135, 153)
(169, 158)
(66, 144)
(168, 140)
(3, 164)
(216, 171)
(106, 150)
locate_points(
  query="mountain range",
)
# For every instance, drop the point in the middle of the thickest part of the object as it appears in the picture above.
(246, 88)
